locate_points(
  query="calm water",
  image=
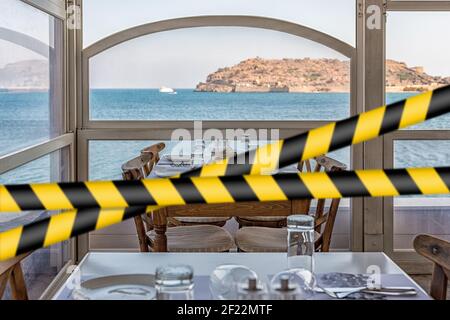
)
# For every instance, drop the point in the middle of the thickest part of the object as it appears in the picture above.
(24, 121)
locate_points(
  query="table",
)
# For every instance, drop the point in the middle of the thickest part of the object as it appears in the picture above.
(270, 208)
(97, 264)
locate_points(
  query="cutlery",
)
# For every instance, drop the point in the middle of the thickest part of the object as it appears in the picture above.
(341, 293)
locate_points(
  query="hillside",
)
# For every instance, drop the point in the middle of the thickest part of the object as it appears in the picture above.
(309, 75)
(25, 75)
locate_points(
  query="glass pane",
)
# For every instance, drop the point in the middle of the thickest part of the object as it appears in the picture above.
(31, 103)
(43, 265)
(421, 214)
(219, 74)
(106, 158)
(338, 19)
(413, 66)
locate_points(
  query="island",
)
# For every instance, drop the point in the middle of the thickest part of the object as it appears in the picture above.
(310, 75)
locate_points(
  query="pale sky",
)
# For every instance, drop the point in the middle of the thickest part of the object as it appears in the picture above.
(182, 58)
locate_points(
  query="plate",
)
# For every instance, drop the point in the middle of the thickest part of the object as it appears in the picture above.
(117, 287)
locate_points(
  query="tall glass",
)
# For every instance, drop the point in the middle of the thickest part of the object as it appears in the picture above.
(174, 282)
(300, 242)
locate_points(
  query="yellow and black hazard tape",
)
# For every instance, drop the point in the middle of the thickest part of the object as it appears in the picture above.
(137, 195)
(209, 190)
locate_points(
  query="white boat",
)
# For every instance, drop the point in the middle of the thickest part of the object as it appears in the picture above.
(167, 90)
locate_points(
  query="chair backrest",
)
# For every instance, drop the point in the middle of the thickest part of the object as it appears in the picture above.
(324, 221)
(438, 251)
(136, 169)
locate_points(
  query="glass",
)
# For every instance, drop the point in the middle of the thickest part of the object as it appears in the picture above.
(224, 280)
(97, 23)
(42, 265)
(413, 66)
(300, 241)
(278, 71)
(31, 66)
(420, 214)
(295, 284)
(174, 282)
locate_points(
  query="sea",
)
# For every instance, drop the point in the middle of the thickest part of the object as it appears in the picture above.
(24, 121)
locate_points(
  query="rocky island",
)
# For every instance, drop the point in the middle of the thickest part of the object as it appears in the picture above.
(310, 75)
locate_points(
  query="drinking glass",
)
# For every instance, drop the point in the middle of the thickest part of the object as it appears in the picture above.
(292, 285)
(174, 282)
(225, 279)
(300, 241)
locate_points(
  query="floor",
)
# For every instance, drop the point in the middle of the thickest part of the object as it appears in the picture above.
(424, 282)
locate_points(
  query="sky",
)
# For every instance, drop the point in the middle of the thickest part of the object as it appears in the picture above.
(182, 58)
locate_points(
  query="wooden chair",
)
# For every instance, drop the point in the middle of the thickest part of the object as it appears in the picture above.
(280, 222)
(11, 271)
(266, 239)
(192, 221)
(198, 238)
(438, 251)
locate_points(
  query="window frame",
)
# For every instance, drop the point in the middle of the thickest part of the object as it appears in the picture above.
(408, 259)
(67, 138)
(161, 130)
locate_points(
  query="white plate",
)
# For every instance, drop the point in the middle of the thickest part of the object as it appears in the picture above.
(118, 287)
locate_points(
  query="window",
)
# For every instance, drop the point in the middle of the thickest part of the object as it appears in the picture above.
(219, 73)
(43, 265)
(30, 76)
(420, 214)
(34, 145)
(417, 58)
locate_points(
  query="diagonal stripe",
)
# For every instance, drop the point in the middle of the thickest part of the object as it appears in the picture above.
(106, 194)
(238, 188)
(108, 217)
(440, 103)
(444, 173)
(134, 192)
(60, 227)
(9, 242)
(51, 196)
(428, 181)
(416, 109)
(265, 188)
(85, 221)
(348, 184)
(188, 191)
(240, 164)
(212, 190)
(403, 181)
(266, 158)
(318, 141)
(292, 150)
(343, 133)
(33, 236)
(163, 191)
(392, 117)
(369, 125)
(79, 195)
(215, 169)
(292, 186)
(320, 185)
(7, 202)
(376, 182)
(25, 198)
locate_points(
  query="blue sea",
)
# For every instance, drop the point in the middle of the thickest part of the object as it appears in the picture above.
(24, 120)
